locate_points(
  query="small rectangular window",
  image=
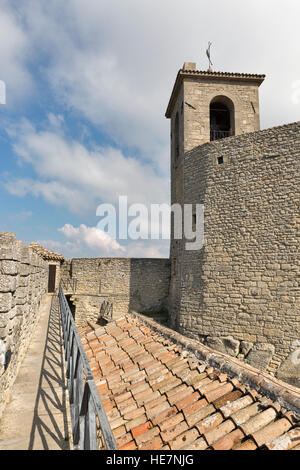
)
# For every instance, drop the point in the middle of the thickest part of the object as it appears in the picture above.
(220, 160)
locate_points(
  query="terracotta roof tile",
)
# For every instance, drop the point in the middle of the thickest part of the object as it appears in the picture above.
(158, 395)
(209, 423)
(249, 444)
(45, 253)
(153, 444)
(227, 442)
(287, 441)
(271, 431)
(220, 431)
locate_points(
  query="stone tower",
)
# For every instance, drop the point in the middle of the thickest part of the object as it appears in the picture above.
(239, 291)
(204, 106)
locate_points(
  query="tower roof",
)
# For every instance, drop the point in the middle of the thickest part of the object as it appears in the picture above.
(189, 71)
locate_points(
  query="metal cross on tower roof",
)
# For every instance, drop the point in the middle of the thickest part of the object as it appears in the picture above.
(208, 55)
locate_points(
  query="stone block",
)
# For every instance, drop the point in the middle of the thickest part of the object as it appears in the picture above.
(9, 267)
(5, 302)
(289, 370)
(260, 355)
(8, 283)
(246, 346)
(227, 345)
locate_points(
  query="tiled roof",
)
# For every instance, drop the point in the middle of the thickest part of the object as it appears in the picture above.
(159, 396)
(194, 74)
(45, 253)
(212, 73)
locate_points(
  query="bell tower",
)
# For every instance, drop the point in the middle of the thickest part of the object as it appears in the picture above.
(208, 105)
(205, 106)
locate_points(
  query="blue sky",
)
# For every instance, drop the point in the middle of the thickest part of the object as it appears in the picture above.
(87, 88)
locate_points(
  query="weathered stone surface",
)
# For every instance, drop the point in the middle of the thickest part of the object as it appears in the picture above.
(129, 284)
(9, 267)
(5, 302)
(2, 354)
(227, 345)
(246, 346)
(244, 281)
(8, 283)
(260, 355)
(289, 370)
(20, 293)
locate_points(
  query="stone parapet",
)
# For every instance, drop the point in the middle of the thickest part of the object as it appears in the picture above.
(23, 281)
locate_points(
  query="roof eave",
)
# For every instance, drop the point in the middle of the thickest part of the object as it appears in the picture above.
(182, 74)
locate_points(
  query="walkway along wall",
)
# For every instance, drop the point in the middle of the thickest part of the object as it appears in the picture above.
(23, 281)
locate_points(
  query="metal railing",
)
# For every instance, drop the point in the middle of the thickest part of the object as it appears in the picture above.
(216, 134)
(70, 285)
(85, 402)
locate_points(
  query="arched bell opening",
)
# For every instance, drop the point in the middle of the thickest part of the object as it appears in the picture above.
(221, 112)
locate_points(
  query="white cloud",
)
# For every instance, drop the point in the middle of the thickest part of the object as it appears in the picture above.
(70, 175)
(93, 238)
(14, 47)
(86, 241)
(116, 61)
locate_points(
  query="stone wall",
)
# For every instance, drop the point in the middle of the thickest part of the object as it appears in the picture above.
(140, 284)
(23, 281)
(240, 292)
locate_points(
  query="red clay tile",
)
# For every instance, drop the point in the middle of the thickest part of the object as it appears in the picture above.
(118, 432)
(151, 400)
(187, 401)
(227, 398)
(194, 407)
(198, 444)
(151, 413)
(147, 435)
(259, 421)
(175, 391)
(183, 439)
(134, 413)
(287, 441)
(175, 397)
(249, 444)
(215, 434)
(209, 423)
(227, 442)
(213, 395)
(124, 396)
(243, 415)
(236, 405)
(171, 422)
(141, 374)
(123, 440)
(140, 429)
(125, 404)
(129, 446)
(271, 431)
(136, 422)
(171, 433)
(167, 413)
(200, 414)
(168, 386)
(154, 444)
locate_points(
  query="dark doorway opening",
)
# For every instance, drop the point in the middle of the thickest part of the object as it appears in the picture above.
(52, 278)
(72, 306)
